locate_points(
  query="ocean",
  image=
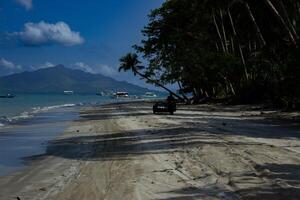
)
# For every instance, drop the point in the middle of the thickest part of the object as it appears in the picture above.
(24, 106)
(29, 122)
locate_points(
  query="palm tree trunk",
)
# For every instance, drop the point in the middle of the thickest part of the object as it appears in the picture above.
(281, 20)
(258, 31)
(228, 83)
(159, 84)
(218, 31)
(232, 45)
(224, 32)
(286, 16)
(182, 93)
(217, 46)
(239, 45)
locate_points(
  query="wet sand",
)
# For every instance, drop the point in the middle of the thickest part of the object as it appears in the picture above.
(202, 152)
(28, 137)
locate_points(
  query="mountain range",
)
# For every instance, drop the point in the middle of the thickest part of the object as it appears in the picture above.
(59, 78)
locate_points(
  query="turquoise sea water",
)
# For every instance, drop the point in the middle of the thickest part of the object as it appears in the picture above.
(29, 122)
(24, 106)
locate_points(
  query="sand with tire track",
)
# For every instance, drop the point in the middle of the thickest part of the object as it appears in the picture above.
(202, 152)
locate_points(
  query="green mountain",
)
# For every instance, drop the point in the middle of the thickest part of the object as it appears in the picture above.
(58, 79)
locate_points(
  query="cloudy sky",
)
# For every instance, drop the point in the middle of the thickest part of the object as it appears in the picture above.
(90, 35)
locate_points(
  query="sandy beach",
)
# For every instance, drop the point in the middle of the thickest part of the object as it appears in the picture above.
(123, 151)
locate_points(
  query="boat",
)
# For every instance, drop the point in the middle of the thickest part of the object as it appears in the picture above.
(7, 96)
(68, 92)
(105, 93)
(121, 95)
(149, 95)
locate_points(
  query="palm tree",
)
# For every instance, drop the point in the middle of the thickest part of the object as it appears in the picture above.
(130, 62)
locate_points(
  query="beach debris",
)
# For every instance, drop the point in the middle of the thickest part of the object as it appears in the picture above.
(18, 198)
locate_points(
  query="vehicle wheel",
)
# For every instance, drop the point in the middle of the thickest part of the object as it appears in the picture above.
(171, 112)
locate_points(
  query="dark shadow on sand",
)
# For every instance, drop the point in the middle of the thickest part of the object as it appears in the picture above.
(193, 131)
(274, 175)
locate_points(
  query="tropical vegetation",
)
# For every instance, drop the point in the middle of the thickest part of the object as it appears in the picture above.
(241, 51)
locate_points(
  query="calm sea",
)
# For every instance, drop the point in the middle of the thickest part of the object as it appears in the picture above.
(29, 122)
(25, 106)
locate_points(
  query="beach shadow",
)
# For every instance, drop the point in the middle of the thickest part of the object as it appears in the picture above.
(282, 182)
(130, 144)
(279, 182)
(195, 129)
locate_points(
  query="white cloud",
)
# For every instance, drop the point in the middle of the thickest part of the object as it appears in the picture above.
(26, 3)
(84, 67)
(107, 70)
(7, 67)
(44, 33)
(98, 69)
(46, 65)
(8, 64)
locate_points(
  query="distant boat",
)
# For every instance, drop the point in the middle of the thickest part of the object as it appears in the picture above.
(149, 95)
(121, 95)
(7, 96)
(68, 92)
(105, 93)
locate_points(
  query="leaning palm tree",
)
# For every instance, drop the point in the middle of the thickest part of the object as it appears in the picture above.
(130, 62)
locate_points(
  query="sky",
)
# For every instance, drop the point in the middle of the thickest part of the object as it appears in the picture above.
(90, 35)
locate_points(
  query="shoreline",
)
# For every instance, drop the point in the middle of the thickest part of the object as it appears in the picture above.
(26, 138)
(146, 153)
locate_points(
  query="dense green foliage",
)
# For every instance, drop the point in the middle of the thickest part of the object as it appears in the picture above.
(246, 51)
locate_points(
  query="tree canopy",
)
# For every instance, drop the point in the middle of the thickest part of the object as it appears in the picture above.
(246, 51)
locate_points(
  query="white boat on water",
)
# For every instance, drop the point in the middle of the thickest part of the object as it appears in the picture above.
(122, 95)
(149, 95)
(68, 92)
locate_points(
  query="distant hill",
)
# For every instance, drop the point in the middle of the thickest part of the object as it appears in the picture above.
(59, 78)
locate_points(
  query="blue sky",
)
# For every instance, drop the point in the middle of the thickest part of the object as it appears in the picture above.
(91, 35)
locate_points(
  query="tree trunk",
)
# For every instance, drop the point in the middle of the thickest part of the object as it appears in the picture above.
(258, 31)
(182, 93)
(218, 31)
(232, 89)
(250, 47)
(160, 85)
(281, 20)
(239, 45)
(286, 16)
(217, 46)
(232, 45)
(230, 85)
(224, 32)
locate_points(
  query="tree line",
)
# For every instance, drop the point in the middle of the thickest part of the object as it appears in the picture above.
(241, 51)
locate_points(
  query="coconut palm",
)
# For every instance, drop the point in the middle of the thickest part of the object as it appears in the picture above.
(130, 62)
